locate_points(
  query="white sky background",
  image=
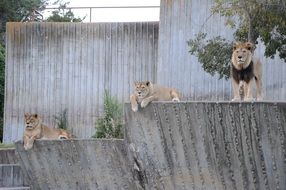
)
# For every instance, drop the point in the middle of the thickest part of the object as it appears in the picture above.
(114, 14)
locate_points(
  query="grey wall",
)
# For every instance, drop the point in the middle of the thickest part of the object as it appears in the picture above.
(180, 20)
(209, 145)
(77, 164)
(55, 66)
(187, 145)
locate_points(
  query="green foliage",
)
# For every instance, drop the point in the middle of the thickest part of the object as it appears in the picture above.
(257, 19)
(61, 15)
(253, 19)
(214, 54)
(110, 125)
(62, 119)
(7, 145)
(2, 88)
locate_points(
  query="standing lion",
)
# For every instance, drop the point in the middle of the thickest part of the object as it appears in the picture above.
(245, 69)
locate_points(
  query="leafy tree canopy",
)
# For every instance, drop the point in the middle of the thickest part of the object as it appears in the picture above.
(253, 19)
(62, 15)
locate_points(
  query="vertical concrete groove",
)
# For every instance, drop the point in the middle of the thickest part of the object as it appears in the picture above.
(220, 160)
(184, 140)
(178, 124)
(209, 126)
(163, 142)
(173, 156)
(237, 144)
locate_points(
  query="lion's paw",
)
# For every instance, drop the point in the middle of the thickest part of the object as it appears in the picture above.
(176, 100)
(144, 103)
(235, 99)
(249, 99)
(134, 108)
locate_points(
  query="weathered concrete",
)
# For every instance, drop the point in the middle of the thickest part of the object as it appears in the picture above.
(11, 176)
(8, 156)
(197, 145)
(171, 146)
(77, 164)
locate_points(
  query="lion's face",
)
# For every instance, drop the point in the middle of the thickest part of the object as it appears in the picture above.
(31, 121)
(242, 55)
(142, 89)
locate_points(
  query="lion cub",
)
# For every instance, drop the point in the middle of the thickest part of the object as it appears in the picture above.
(146, 92)
(36, 130)
(245, 69)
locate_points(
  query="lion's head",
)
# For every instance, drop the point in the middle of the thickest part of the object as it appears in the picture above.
(31, 121)
(241, 54)
(142, 89)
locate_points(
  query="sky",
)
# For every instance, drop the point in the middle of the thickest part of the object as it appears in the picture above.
(114, 14)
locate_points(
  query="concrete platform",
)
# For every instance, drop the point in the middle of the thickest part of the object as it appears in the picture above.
(172, 146)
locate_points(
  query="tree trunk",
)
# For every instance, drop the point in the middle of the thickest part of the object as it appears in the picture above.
(250, 30)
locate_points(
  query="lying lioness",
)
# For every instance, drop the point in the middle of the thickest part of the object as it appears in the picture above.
(36, 130)
(146, 92)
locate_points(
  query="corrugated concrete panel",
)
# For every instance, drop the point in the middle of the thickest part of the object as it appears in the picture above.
(180, 20)
(8, 156)
(51, 67)
(78, 164)
(209, 145)
(171, 146)
(11, 176)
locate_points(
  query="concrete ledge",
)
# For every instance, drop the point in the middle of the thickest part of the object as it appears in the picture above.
(171, 146)
(210, 145)
(77, 164)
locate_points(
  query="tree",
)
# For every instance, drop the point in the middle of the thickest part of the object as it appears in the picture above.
(254, 19)
(62, 15)
(19, 10)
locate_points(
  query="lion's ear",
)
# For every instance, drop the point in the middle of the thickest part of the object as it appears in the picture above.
(248, 45)
(26, 115)
(147, 83)
(135, 83)
(234, 45)
(35, 115)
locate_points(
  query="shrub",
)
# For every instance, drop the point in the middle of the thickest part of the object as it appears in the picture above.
(62, 120)
(111, 124)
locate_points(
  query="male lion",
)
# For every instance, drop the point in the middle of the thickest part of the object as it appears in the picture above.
(36, 130)
(245, 69)
(146, 92)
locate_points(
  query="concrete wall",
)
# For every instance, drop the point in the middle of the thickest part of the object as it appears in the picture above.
(8, 156)
(51, 67)
(172, 146)
(77, 164)
(209, 145)
(181, 20)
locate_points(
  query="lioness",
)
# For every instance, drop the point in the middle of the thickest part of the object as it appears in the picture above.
(245, 69)
(146, 92)
(36, 130)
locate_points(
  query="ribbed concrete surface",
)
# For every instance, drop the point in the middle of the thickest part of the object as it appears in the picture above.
(197, 145)
(172, 146)
(77, 164)
(8, 156)
(11, 176)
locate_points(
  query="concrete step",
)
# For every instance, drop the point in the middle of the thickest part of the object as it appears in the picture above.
(14, 188)
(11, 176)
